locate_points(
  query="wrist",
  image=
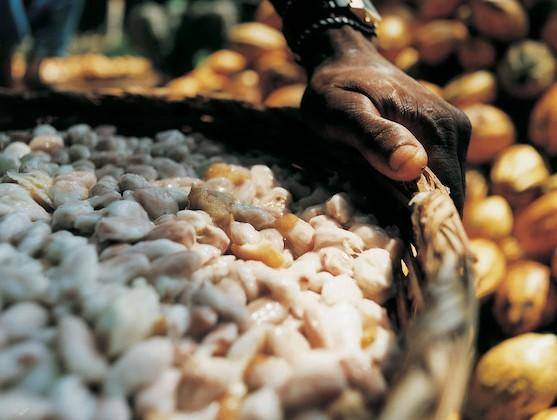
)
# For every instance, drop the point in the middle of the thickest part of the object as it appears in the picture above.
(318, 29)
(333, 44)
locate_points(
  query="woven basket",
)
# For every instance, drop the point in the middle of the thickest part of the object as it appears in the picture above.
(435, 306)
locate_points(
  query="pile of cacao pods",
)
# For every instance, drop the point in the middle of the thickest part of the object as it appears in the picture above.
(496, 60)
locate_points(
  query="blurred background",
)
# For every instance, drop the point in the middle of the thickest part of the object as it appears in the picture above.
(234, 48)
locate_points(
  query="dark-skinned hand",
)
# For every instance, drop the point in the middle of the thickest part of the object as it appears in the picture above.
(356, 96)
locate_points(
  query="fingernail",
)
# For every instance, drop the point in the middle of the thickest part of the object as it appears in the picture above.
(408, 158)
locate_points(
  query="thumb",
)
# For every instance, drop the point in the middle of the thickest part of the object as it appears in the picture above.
(391, 149)
(388, 146)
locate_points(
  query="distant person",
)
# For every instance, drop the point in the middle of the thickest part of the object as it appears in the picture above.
(175, 33)
(51, 23)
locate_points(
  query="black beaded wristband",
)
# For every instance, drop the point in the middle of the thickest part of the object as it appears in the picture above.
(303, 42)
(300, 31)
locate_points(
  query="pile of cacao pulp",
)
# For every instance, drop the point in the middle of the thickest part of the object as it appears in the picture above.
(164, 278)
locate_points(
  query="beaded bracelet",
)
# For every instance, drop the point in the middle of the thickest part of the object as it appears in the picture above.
(299, 33)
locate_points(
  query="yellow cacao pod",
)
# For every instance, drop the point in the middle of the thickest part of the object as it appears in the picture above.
(518, 174)
(536, 226)
(492, 132)
(515, 379)
(490, 218)
(471, 88)
(525, 299)
(489, 266)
